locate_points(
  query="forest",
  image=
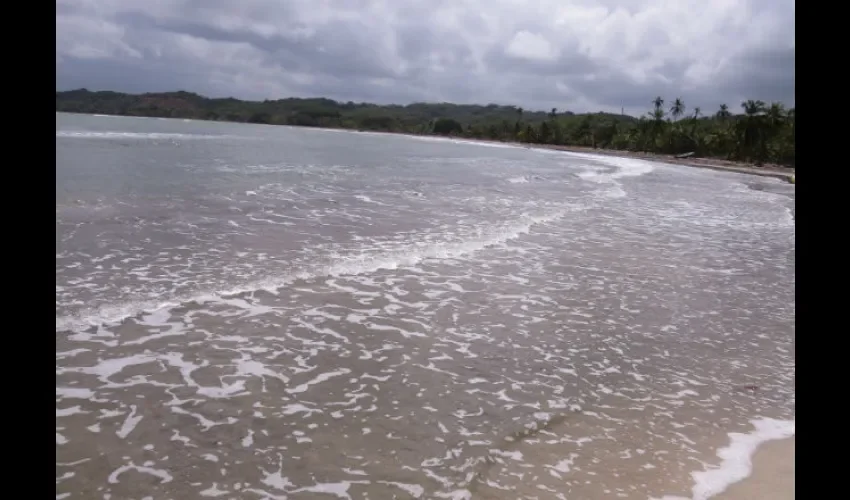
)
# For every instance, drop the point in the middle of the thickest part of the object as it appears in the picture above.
(758, 133)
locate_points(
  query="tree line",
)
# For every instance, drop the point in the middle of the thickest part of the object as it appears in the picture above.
(760, 133)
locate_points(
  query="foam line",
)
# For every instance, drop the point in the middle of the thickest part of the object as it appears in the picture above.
(736, 459)
(409, 255)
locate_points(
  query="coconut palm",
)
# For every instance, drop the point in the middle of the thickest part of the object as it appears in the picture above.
(678, 108)
(753, 108)
(775, 114)
(658, 102)
(657, 114)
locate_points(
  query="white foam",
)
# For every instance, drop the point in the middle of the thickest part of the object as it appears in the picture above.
(248, 441)
(462, 494)
(74, 393)
(413, 490)
(340, 265)
(87, 134)
(213, 491)
(163, 475)
(736, 459)
(339, 489)
(564, 465)
(322, 377)
(452, 140)
(626, 167)
(64, 412)
(366, 199)
(129, 423)
(599, 174)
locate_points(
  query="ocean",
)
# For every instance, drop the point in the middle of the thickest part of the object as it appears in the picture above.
(249, 311)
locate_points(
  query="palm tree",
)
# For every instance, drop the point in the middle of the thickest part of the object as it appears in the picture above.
(776, 114)
(723, 113)
(697, 112)
(658, 102)
(517, 126)
(753, 108)
(553, 113)
(678, 108)
(657, 114)
(752, 132)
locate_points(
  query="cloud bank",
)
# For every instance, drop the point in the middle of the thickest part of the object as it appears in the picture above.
(577, 55)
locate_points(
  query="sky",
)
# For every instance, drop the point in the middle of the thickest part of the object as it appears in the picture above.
(576, 55)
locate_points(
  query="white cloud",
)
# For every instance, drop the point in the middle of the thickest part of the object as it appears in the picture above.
(571, 54)
(95, 39)
(527, 45)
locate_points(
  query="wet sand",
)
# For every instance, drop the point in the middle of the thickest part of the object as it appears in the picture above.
(767, 170)
(281, 313)
(773, 474)
(775, 171)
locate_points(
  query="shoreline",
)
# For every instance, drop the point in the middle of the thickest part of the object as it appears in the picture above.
(773, 474)
(787, 174)
(758, 464)
(775, 171)
(769, 170)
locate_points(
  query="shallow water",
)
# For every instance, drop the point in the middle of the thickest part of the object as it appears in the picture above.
(269, 312)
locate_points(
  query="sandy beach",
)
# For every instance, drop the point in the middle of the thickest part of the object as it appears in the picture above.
(280, 312)
(773, 463)
(768, 170)
(772, 477)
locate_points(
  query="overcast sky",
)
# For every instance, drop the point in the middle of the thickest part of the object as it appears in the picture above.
(577, 55)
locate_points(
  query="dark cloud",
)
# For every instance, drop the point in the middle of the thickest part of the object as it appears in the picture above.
(574, 54)
(765, 74)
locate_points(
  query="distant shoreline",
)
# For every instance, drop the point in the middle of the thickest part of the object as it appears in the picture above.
(775, 171)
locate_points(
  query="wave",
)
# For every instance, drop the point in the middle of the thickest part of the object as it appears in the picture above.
(466, 142)
(85, 134)
(337, 265)
(736, 459)
(625, 167)
(602, 173)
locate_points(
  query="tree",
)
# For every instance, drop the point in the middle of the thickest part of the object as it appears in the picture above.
(761, 133)
(752, 132)
(447, 126)
(263, 118)
(678, 108)
(658, 102)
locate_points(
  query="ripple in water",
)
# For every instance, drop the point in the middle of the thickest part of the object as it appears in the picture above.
(527, 326)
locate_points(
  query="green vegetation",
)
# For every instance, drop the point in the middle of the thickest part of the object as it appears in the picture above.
(761, 134)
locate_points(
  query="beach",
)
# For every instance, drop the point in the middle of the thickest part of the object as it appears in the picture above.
(769, 170)
(773, 475)
(248, 311)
